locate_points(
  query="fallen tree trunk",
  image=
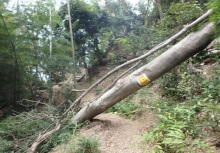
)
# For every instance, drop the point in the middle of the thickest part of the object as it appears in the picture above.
(45, 135)
(186, 48)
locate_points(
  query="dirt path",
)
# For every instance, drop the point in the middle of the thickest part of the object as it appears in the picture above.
(117, 134)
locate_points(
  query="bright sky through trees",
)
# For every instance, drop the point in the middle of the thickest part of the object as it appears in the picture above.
(13, 3)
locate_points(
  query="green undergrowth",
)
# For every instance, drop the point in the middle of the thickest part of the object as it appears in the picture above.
(18, 132)
(188, 114)
(215, 16)
(133, 106)
(79, 144)
(128, 109)
(178, 129)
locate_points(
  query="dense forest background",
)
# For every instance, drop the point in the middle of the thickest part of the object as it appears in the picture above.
(36, 54)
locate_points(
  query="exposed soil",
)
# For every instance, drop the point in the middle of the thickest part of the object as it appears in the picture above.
(117, 134)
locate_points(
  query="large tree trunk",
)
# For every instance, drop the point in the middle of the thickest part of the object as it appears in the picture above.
(186, 48)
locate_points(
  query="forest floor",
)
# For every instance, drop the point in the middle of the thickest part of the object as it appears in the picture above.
(117, 134)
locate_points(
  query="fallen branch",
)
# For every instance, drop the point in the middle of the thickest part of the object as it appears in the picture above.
(79, 90)
(41, 138)
(32, 101)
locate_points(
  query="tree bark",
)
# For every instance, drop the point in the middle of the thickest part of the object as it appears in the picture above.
(186, 48)
(72, 44)
(50, 72)
(160, 8)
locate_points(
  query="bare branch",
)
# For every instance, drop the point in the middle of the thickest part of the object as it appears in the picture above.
(41, 138)
(78, 90)
(32, 101)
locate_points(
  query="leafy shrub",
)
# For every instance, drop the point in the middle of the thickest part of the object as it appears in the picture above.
(177, 129)
(126, 108)
(4, 144)
(215, 16)
(210, 99)
(87, 145)
(181, 13)
(211, 86)
(98, 90)
(169, 82)
(79, 144)
(189, 85)
(181, 84)
(177, 14)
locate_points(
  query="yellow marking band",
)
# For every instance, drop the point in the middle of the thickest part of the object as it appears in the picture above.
(143, 80)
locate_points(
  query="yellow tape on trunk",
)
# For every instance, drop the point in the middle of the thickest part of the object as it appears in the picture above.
(143, 80)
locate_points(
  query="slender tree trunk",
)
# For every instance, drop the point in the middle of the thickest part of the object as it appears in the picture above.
(186, 48)
(72, 45)
(16, 52)
(35, 45)
(30, 81)
(160, 8)
(50, 73)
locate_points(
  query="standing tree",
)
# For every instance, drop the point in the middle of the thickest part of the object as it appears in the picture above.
(87, 20)
(72, 43)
